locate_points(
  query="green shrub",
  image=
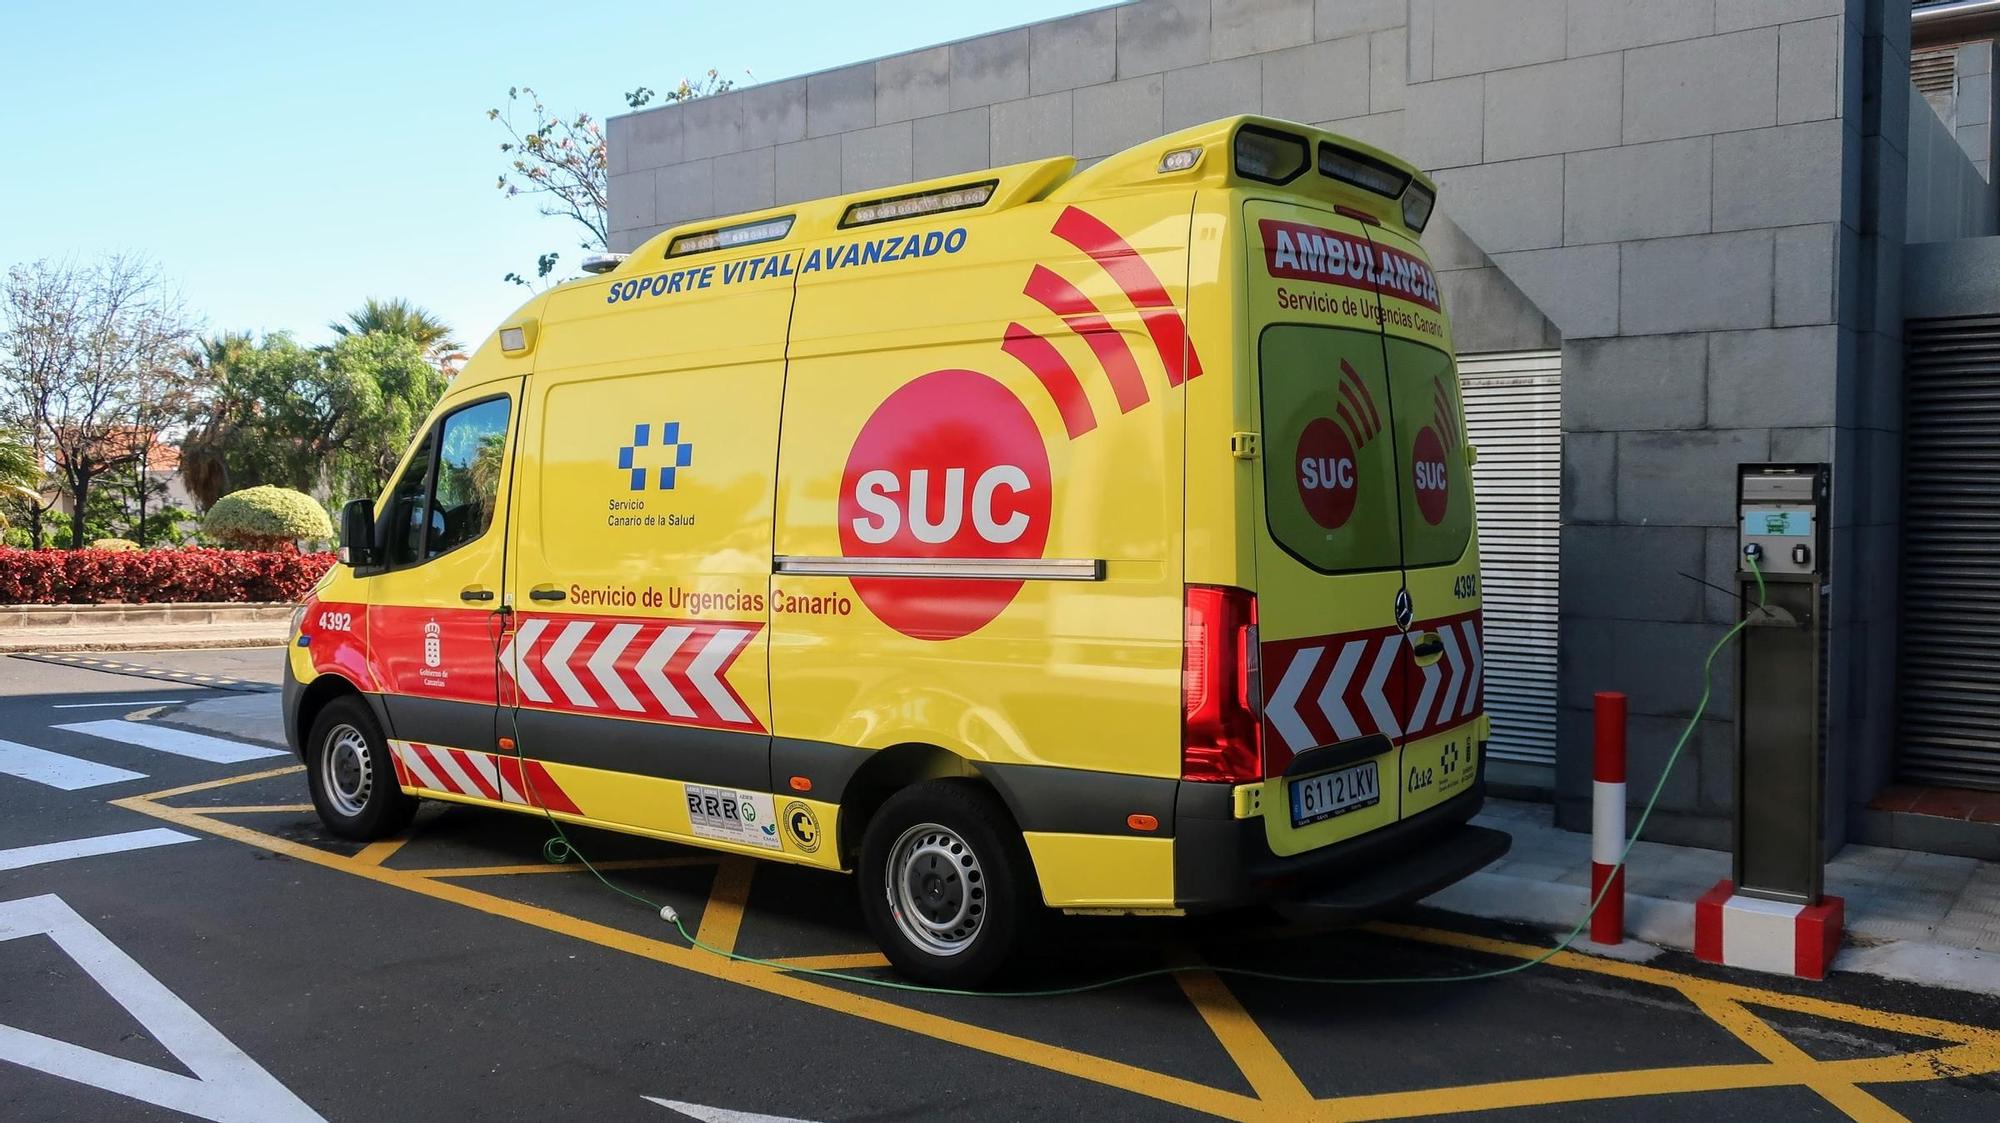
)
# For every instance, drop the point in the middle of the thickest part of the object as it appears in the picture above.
(266, 518)
(114, 544)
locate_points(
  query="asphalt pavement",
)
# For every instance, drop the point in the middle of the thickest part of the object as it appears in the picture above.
(178, 939)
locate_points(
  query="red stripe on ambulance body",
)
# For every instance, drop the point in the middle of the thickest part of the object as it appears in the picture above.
(495, 777)
(673, 671)
(1323, 690)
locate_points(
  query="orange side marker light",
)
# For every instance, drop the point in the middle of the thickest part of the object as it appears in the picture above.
(1142, 822)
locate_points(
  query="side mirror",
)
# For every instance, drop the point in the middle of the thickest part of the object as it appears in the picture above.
(357, 533)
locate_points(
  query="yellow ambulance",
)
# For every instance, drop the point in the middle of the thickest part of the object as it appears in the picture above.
(1092, 539)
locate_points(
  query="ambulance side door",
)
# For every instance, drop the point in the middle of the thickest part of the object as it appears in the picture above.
(435, 607)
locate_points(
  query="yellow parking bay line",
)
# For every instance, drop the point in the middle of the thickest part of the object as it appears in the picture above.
(1269, 1074)
(722, 917)
(566, 867)
(1280, 1094)
(1101, 1070)
(850, 961)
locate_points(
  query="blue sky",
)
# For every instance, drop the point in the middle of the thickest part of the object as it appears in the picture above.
(282, 162)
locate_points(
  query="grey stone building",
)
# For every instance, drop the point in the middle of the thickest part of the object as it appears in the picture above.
(1675, 237)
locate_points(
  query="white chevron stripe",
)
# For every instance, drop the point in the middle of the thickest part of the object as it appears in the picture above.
(1333, 696)
(521, 667)
(455, 769)
(415, 765)
(1283, 710)
(649, 670)
(557, 664)
(702, 672)
(1419, 717)
(1371, 691)
(1472, 679)
(1455, 668)
(603, 666)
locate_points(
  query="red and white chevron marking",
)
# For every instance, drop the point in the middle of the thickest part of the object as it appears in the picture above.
(1327, 689)
(662, 670)
(493, 776)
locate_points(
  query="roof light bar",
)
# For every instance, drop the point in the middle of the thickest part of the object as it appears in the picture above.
(1270, 156)
(603, 262)
(1364, 172)
(729, 237)
(961, 198)
(1417, 204)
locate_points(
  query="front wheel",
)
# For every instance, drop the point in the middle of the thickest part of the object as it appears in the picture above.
(348, 770)
(946, 884)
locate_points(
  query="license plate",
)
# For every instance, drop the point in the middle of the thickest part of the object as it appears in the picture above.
(1335, 793)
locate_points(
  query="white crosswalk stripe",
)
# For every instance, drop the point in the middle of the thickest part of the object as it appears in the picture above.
(57, 770)
(166, 739)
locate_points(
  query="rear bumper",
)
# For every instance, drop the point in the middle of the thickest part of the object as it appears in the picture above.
(1221, 861)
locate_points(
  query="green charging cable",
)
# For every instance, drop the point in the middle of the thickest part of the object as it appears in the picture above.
(559, 849)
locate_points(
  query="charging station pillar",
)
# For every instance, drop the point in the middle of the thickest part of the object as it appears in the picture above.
(1772, 914)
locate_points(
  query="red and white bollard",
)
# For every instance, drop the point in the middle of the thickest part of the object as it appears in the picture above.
(1607, 822)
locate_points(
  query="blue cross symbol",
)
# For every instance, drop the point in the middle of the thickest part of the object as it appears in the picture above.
(676, 454)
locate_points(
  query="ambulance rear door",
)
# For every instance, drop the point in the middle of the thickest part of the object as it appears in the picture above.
(1368, 587)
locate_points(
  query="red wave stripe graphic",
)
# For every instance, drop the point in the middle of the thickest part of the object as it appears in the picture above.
(1363, 432)
(1048, 365)
(1353, 430)
(1065, 300)
(1140, 285)
(1361, 387)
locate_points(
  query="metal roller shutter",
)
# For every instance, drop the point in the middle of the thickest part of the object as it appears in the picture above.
(1513, 414)
(1949, 661)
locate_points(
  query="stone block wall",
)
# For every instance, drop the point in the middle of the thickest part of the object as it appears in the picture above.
(1687, 195)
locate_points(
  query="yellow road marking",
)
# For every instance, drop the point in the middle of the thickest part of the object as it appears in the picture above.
(1977, 1050)
(375, 853)
(1772, 1045)
(255, 808)
(1114, 1074)
(722, 917)
(1270, 1076)
(851, 961)
(224, 782)
(566, 867)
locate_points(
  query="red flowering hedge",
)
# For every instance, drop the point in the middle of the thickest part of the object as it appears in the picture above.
(155, 576)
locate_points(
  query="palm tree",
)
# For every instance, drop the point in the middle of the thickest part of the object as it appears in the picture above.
(399, 317)
(20, 471)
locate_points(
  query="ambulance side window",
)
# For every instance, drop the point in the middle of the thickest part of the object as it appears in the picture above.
(470, 453)
(404, 519)
(447, 494)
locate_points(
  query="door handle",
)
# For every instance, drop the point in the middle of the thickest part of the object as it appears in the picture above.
(1427, 648)
(475, 593)
(545, 592)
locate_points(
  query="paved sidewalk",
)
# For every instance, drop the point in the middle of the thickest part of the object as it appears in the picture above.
(1928, 918)
(143, 637)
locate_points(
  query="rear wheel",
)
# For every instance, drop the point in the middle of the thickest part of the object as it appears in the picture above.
(348, 770)
(946, 884)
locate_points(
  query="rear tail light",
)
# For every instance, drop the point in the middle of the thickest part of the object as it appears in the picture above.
(1222, 737)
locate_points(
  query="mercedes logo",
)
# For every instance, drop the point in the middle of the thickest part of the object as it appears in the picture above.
(1406, 610)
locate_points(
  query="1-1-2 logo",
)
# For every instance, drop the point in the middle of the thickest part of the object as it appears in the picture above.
(950, 465)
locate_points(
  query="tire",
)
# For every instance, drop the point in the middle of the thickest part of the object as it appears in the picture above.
(352, 780)
(946, 884)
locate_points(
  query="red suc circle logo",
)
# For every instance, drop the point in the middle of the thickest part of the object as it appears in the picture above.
(951, 465)
(1327, 473)
(1432, 480)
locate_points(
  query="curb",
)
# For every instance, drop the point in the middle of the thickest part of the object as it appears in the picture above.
(1669, 925)
(165, 643)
